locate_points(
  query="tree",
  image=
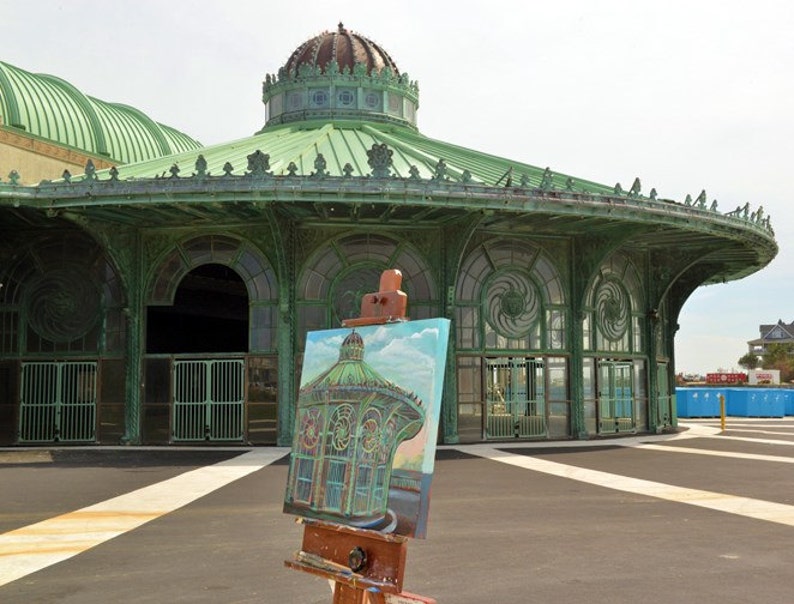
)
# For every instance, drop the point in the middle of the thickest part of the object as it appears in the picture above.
(749, 361)
(781, 357)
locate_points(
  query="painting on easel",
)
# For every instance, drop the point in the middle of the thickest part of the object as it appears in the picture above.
(366, 425)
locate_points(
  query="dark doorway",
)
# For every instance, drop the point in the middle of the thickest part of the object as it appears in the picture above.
(210, 314)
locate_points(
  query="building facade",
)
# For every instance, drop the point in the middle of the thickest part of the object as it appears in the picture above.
(777, 333)
(167, 300)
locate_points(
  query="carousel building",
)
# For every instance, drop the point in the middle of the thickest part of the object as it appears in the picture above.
(166, 300)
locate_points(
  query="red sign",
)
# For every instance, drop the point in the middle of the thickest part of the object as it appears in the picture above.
(726, 378)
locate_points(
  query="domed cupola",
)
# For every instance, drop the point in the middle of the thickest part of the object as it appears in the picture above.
(340, 75)
(352, 348)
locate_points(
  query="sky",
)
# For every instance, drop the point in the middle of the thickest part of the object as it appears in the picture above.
(684, 94)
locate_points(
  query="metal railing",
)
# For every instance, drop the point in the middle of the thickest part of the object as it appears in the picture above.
(208, 399)
(58, 402)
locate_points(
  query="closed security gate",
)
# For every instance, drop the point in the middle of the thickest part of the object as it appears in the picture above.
(516, 403)
(616, 397)
(208, 399)
(58, 402)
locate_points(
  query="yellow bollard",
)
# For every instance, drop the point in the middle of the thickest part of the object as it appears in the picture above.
(722, 412)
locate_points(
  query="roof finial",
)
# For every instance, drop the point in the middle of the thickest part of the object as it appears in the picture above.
(341, 27)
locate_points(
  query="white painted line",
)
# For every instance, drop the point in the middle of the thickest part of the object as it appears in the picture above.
(754, 431)
(747, 439)
(31, 548)
(742, 506)
(713, 453)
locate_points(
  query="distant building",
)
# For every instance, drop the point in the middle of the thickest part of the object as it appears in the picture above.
(778, 333)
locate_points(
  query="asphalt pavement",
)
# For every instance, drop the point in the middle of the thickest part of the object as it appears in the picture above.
(700, 516)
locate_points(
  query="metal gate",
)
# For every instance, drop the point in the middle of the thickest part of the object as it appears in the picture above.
(208, 400)
(615, 397)
(665, 407)
(516, 403)
(58, 402)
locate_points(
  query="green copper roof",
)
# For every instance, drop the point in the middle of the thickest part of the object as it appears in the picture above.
(345, 148)
(51, 108)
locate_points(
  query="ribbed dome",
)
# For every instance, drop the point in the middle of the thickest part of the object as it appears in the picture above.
(46, 106)
(346, 48)
(352, 348)
(340, 75)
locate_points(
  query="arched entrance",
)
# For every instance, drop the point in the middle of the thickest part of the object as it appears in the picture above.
(209, 315)
(211, 347)
(206, 332)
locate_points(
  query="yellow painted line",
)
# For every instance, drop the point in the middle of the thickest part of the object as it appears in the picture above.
(31, 548)
(742, 506)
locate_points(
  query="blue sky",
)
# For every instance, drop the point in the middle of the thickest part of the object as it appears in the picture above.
(408, 354)
(687, 95)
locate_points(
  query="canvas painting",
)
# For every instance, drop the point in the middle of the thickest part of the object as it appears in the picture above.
(366, 425)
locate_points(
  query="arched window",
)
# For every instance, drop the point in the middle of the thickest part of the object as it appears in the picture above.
(340, 272)
(509, 296)
(248, 264)
(62, 296)
(614, 316)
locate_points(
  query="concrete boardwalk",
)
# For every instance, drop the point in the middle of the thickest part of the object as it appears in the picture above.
(700, 516)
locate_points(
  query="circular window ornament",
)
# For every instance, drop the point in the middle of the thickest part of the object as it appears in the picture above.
(345, 98)
(513, 304)
(311, 429)
(63, 304)
(372, 100)
(319, 98)
(612, 310)
(341, 428)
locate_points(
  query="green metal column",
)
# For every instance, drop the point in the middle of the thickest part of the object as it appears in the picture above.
(449, 401)
(576, 343)
(578, 426)
(283, 237)
(135, 340)
(287, 398)
(651, 328)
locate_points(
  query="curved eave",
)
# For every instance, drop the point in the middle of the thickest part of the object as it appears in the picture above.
(728, 246)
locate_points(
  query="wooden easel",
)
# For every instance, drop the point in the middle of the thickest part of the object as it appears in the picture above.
(366, 566)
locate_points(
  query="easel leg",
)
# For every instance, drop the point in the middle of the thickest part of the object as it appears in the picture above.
(345, 594)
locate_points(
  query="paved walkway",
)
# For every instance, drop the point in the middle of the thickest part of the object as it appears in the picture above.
(205, 525)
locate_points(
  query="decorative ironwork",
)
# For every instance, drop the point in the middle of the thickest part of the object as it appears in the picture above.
(636, 187)
(63, 304)
(612, 310)
(319, 167)
(201, 167)
(440, 171)
(513, 303)
(546, 181)
(259, 164)
(90, 171)
(380, 160)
